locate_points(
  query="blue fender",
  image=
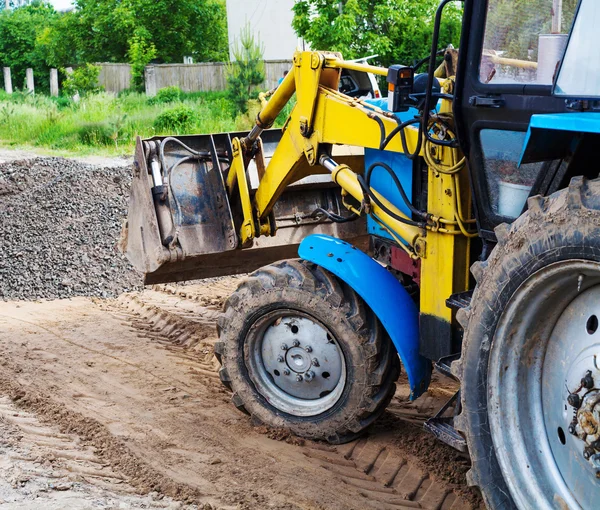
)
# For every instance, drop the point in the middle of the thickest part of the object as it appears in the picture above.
(382, 292)
(554, 135)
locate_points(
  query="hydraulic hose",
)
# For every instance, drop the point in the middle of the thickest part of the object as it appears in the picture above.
(421, 214)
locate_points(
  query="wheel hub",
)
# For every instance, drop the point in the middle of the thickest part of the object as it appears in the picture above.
(297, 364)
(298, 360)
(586, 419)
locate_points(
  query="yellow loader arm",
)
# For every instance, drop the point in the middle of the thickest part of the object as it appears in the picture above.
(322, 118)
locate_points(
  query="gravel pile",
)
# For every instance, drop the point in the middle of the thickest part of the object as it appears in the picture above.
(60, 221)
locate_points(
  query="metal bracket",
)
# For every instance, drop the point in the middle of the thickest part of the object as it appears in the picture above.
(442, 427)
(237, 173)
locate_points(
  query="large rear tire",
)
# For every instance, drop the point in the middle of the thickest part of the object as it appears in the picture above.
(301, 351)
(531, 335)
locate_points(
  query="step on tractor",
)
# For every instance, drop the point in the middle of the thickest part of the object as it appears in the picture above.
(454, 226)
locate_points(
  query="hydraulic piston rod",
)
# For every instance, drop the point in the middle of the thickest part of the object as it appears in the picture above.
(348, 180)
(267, 116)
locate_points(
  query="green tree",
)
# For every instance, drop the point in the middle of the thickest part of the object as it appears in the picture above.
(141, 52)
(247, 71)
(176, 28)
(82, 81)
(57, 43)
(19, 30)
(399, 31)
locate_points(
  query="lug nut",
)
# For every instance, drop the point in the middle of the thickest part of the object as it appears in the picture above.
(295, 343)
(588, 381)
(572, 430)
(284, 347)
(299, 378)
(309, 376)
(308, 348)
(280, 359)
(286, 371)
(574, 400)
(587, 453)
(315, 362)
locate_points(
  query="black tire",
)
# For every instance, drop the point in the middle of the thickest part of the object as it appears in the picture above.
(372, 364)
(565, 226)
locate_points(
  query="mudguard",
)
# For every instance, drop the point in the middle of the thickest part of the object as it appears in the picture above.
(554, 135)
(388, 299)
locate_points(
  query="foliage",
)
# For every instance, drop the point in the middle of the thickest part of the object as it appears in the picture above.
(247, 72)
(19, 29)
(106, 124)
(177, 119)
(166, 95)
(137, 31)
(83, 81)
(141, 52)
(95, 133)
(57, 42)
(399, 31)
(177, 28)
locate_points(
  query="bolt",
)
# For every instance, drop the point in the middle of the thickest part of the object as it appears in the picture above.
(588, 381)
(299, 378)
(587, 453)
(309, 376)
(574, 400)
(572, 429)
(280, 359)
(315, 362)
(295, 343)
(286, 371)
(308, 348)
(284, 347)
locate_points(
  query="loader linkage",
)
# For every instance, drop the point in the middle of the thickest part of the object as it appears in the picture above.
(437, 230)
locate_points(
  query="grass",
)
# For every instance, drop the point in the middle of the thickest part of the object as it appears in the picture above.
(107, 124)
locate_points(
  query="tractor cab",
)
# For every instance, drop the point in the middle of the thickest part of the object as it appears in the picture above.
(509, 58)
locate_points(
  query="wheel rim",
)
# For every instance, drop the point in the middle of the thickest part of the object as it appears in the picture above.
(546, 341)
(295, 363)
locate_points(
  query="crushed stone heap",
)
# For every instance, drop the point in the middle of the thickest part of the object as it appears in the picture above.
(60, 222)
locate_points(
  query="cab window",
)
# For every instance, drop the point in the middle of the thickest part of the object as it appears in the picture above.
(524, 41)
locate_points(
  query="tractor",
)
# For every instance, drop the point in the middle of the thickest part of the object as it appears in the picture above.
(453, 227)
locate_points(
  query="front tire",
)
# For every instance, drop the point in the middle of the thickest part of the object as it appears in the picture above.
(301, 351)
(530, 338)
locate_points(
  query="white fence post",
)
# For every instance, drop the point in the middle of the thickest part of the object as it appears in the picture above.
(150, 81)
(29, 80)
(54, 82)
(7, 81)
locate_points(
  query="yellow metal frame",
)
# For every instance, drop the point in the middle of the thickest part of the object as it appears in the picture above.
(324, 117)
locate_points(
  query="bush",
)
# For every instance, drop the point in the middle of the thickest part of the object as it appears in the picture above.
(178, 119)
(83, 80)
(62, 101)
(95, 133)
(167, 95)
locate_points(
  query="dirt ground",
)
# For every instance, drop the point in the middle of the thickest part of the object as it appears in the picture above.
(117, 404)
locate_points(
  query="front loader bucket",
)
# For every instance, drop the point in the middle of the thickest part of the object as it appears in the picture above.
(187, 227)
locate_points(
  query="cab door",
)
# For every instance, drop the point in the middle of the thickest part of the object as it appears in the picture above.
(507, 61)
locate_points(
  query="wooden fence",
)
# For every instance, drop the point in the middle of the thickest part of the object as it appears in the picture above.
(115, 77)
(188, 77)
